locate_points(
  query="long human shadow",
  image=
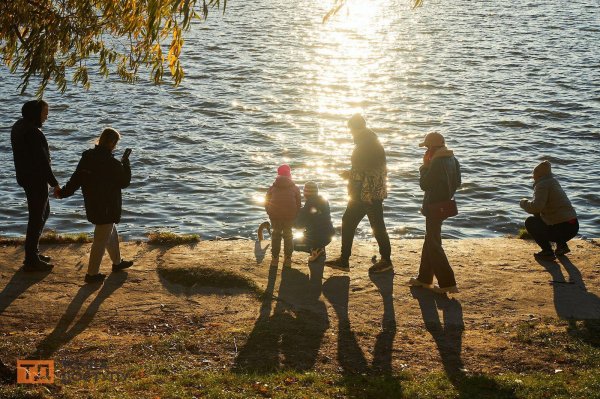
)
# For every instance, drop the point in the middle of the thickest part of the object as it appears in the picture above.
(384, 343)
(572, 301)
(68, 327)
(291, 336)
(448, 339)
(18, 284)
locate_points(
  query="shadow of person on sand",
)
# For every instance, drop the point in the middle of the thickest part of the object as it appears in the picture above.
(572, 301)
(65, 330)
(384, 343)
(289, 338)
(448, 339)
(259, 251)
(18, 284)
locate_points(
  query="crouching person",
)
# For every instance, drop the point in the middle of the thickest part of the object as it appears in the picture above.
(554, 218)
(101, 178)
(315, 218)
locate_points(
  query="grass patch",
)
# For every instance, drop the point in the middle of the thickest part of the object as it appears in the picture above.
(169, 238)
(207, 276)
(523, 234)
(51, 237)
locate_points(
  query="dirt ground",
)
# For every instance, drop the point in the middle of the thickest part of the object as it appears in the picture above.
(309, 317)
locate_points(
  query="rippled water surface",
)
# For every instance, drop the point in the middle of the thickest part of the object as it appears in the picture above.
(508, 83)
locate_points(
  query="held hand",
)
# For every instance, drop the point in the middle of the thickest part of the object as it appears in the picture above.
(345, 174)
(427, 157)
(523, 202)
(57, 192)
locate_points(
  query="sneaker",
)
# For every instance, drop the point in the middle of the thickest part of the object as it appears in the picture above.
(123, 265)
(381, 266)
(316, 254)
(414, 282)
(339, 264)
(446, 290)
(37, 266)
(562, 250)
(96, 278)
(45, 258)
(545, 255)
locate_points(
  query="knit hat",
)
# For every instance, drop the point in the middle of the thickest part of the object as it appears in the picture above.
(284, 170)
(357, 122)
(544, 168)
(310, 189)
(433, 139)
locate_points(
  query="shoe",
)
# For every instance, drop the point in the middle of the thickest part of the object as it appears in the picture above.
(562, 250)
(381, 266)
(545, 255)
(339, 264)
(96, 278)
(45, 258)
(287, 262)
(414, 282)
(446, 290)
(316, 254)
(123, 265)
(37, 266)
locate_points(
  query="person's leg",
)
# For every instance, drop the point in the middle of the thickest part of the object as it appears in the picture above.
(375, 214)
(539, 231)
(102, 233)
(563, 232)
(112, 246)
(437, 257)
(354, 213)
(426, 268)
(276, 233)
(37, 206)
(288, 236)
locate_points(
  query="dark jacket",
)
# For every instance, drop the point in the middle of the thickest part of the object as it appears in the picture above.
(283, 200)
(31, 155)
(369, 171)
(315, 218)
(101, 178)
(440, 179)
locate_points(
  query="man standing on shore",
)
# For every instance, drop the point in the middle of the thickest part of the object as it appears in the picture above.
(34, 173)
(367, 188)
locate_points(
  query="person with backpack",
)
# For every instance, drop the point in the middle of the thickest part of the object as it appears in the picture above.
(101, 178)
(315, 219)
(33, 170)
(282, 204)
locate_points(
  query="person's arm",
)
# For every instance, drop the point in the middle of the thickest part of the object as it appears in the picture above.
(75, 181)
(268, 199)
(458, 175)
(41, 154)
(429, 175)
(121, 172)
(538, 203)
(298, 198)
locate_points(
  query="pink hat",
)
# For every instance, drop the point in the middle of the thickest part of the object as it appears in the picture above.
(284, 170)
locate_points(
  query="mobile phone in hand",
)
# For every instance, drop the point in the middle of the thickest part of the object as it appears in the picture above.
(126, 154)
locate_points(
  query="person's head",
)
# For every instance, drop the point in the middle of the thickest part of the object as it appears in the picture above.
(542, 169)
(284, 170)
(109, 138)
(433, 140)
(311, 189)
(35, 111)
(357, 123)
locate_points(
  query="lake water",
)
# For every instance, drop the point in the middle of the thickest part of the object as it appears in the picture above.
(508, 83)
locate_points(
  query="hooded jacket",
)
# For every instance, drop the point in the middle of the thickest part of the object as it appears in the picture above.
(550, 201)
(31, 155)
(368, 176)
(440, 179)
(283, 199)
(101, 178)
(315, 218)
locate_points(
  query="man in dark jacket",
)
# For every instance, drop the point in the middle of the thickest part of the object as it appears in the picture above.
(367, 188)
(101, 178)
(34, 173)
(439, 179)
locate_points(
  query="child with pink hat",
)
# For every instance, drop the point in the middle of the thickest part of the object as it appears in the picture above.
(282, 205)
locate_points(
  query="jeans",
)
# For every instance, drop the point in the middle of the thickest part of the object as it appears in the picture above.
(355, 212)
(105, 238)
(433, 258)
(279, 229)
(38, 207)
(543, 234)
